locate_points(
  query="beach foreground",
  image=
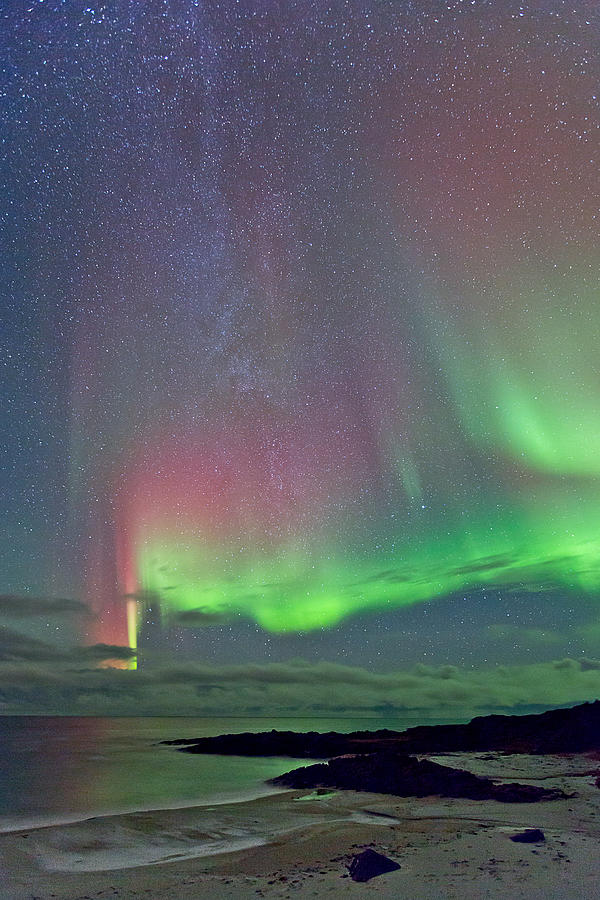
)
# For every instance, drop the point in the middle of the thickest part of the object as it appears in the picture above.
(299, 844)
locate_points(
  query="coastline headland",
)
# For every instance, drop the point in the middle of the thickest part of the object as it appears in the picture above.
(571, 730)
(387, 761)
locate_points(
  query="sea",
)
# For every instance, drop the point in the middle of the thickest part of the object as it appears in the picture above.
(66, 769)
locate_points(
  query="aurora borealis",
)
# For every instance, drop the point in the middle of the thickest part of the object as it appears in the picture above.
(302, 308)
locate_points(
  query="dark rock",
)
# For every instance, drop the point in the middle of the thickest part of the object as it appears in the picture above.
(406, 776)
(529, 836)
(572, 730)
(526, 793)
(369, 863)
(307, 745)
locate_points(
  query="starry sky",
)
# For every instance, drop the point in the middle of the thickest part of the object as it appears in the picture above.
(301, 380)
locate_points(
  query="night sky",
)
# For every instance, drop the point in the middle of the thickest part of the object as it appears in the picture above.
(301, 372)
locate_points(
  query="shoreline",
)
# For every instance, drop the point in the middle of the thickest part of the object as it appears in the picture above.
(34, 824)
(445, 847)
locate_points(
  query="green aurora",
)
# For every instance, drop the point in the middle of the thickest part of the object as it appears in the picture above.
(519, 407)
(285, 592)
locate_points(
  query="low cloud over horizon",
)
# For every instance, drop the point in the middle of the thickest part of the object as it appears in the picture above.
(36, 678)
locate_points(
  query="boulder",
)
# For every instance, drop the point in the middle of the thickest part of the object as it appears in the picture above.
(529, 836)
(369, 863)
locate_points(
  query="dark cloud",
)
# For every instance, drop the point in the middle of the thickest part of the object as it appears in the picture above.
(18, 647)
(103, 652)
(25, 605)
(486, 564)
(589, 665)
(293, 688)
(390, 576)
(200, 617)
(531, 587)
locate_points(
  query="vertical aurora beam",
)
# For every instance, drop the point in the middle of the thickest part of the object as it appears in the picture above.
(132, 627)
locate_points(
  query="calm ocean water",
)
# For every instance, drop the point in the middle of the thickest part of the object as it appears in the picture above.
(65, 769)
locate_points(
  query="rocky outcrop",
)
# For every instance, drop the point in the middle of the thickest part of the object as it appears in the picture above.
(387, 772)
(310, 745)
(381, 761)
(572, 730)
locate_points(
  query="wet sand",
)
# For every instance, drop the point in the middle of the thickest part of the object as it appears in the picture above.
(298, 844)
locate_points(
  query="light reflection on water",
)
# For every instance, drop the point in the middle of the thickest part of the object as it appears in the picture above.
(61, 769)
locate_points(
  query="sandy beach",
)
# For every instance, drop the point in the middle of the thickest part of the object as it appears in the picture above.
(299, 844)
